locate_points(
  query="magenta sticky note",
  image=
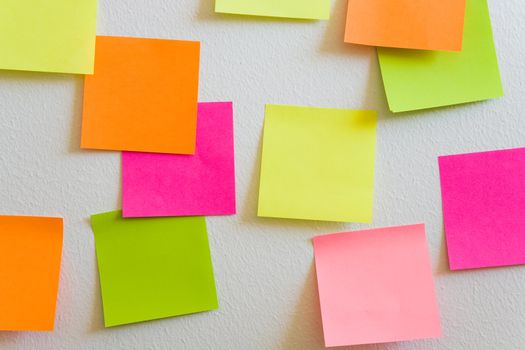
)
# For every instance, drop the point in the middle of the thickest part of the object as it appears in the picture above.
(376, 286)
(156, 184)
(483, 197)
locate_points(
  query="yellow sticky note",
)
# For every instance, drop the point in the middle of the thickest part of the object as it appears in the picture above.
(318, 164)
(306, 9)
(48, 35)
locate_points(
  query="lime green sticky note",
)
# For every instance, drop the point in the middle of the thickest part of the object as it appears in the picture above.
(48, 35)
(317, 164)
(309, 9)
(153, 268)
(425, 79)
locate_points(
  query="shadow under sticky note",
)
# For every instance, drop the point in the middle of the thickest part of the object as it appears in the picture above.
(30, 255)
(143, 96)
(317, 164)
(416, 79)
(376, 286)
(483, 198)
(311, 9)
(48, 36)
(182, 185)
(153, 268)
(415, 24)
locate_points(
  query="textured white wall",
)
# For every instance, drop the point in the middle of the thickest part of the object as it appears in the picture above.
(263, 267)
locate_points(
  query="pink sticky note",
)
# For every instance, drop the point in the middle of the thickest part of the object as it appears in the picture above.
(184, 185)
(376, 286)
(483, 198)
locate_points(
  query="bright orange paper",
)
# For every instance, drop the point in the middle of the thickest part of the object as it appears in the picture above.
(413, 24)
(143, 96)
(30, 254)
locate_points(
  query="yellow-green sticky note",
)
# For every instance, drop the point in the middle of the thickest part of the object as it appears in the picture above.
(48, 35)
(416, 79)
(305, 9)
(152, 268)
(317, 164)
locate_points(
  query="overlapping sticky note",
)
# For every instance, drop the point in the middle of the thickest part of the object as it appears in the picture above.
(415, 24)
(483, 208)
(310, 9)
(317, 164)
(180, 185)
(143, 96)
(376, 286)
(48, 36)
(153, 268)
(30, 255)
(417, 79)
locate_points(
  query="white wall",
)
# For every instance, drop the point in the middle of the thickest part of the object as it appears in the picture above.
(263, 267)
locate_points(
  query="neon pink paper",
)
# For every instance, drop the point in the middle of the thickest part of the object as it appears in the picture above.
(376, 286)
(184, 185)
(483, 198)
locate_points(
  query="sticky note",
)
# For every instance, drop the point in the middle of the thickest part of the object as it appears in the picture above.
(152, 268)
(143, 96)
(48, 36)
(310, 9)
(30, 255)
(414, 24)
(483, 197)
(317, 164)
(376, 286)
(416, 79)
(156, 184)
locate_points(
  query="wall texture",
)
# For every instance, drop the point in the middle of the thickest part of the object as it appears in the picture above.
(263, 267)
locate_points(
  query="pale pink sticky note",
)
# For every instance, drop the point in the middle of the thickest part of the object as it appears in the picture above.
(483, 198)
(184, 185)
(376, 286)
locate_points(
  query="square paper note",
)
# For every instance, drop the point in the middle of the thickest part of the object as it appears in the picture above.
(182, 185)
(152, 268)
(376, 286)
(48, 35)
(30, 254)
(143, 96)
(415, 24)
(317, 164)
(484, 208)
(425, 79)
(309, 9)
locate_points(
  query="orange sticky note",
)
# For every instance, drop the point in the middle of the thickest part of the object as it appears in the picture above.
(30, 254)
(143, 96)
(413, 24)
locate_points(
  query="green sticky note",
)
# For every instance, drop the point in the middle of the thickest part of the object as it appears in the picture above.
(311, 9)
(425, 79)
(48, 35)
(153, 268)
(317, 164)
